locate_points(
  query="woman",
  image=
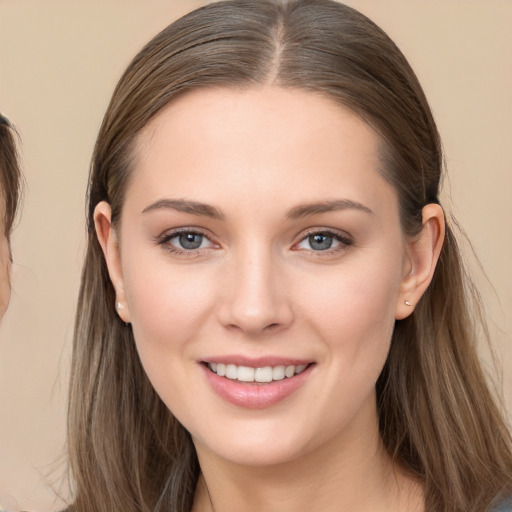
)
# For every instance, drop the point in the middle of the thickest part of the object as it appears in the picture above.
(273, 311)
(10, 182)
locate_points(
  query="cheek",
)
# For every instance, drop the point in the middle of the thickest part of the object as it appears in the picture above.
(165, 312)
(354, 314)
(168, 309)
(357, 302)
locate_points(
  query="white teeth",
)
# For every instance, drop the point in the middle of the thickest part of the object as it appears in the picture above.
(263, 374)
(249, 374)
(300, 368)
(290, 371)
(231, 371)
(245, 374)
(278, 372)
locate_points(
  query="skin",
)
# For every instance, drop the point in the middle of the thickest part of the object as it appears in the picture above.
(256, 287)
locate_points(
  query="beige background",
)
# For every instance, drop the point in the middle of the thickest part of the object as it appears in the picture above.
(59, 62)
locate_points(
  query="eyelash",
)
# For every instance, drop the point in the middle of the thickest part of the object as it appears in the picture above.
(345, 241)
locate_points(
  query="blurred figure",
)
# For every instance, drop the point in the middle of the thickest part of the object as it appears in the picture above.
(10, 188)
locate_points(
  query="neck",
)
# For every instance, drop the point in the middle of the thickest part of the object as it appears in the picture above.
(350, 472)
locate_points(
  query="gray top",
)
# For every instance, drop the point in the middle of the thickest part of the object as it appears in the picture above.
(504, 506)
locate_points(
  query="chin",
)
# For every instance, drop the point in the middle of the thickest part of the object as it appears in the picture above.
(262, 443)
(256, 454)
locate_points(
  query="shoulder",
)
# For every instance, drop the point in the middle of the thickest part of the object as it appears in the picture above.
(504, 506)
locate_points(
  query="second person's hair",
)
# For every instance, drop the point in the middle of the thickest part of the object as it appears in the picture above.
(10, 173)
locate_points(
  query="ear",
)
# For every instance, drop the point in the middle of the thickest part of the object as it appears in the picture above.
(422, 255)
(107, 238)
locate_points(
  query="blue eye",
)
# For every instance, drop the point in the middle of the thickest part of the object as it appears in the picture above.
(189, 241)
(185, 241)
(323, 241)
(320, 241)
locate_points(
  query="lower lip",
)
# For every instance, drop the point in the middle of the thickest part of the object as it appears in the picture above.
(255, 395)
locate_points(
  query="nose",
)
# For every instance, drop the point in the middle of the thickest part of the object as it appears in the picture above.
(255, 298)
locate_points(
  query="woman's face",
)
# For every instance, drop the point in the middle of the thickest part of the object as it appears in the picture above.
(5, 262)
(259, 239)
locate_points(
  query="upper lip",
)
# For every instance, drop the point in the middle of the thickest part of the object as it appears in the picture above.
(257, 362)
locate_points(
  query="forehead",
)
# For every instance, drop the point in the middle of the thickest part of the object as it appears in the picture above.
(260, 109)
(257, 142)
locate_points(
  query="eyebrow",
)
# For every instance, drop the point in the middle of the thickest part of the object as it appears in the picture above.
(297, 212)
(186, 206)
(303, 210)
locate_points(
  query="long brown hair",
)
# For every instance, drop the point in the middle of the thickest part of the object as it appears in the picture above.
(10, 173)
(438, 418)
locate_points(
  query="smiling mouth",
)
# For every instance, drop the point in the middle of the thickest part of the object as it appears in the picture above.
(262, 375)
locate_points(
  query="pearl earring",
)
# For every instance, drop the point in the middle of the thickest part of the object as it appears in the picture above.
(407, 303)
(120, 306)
